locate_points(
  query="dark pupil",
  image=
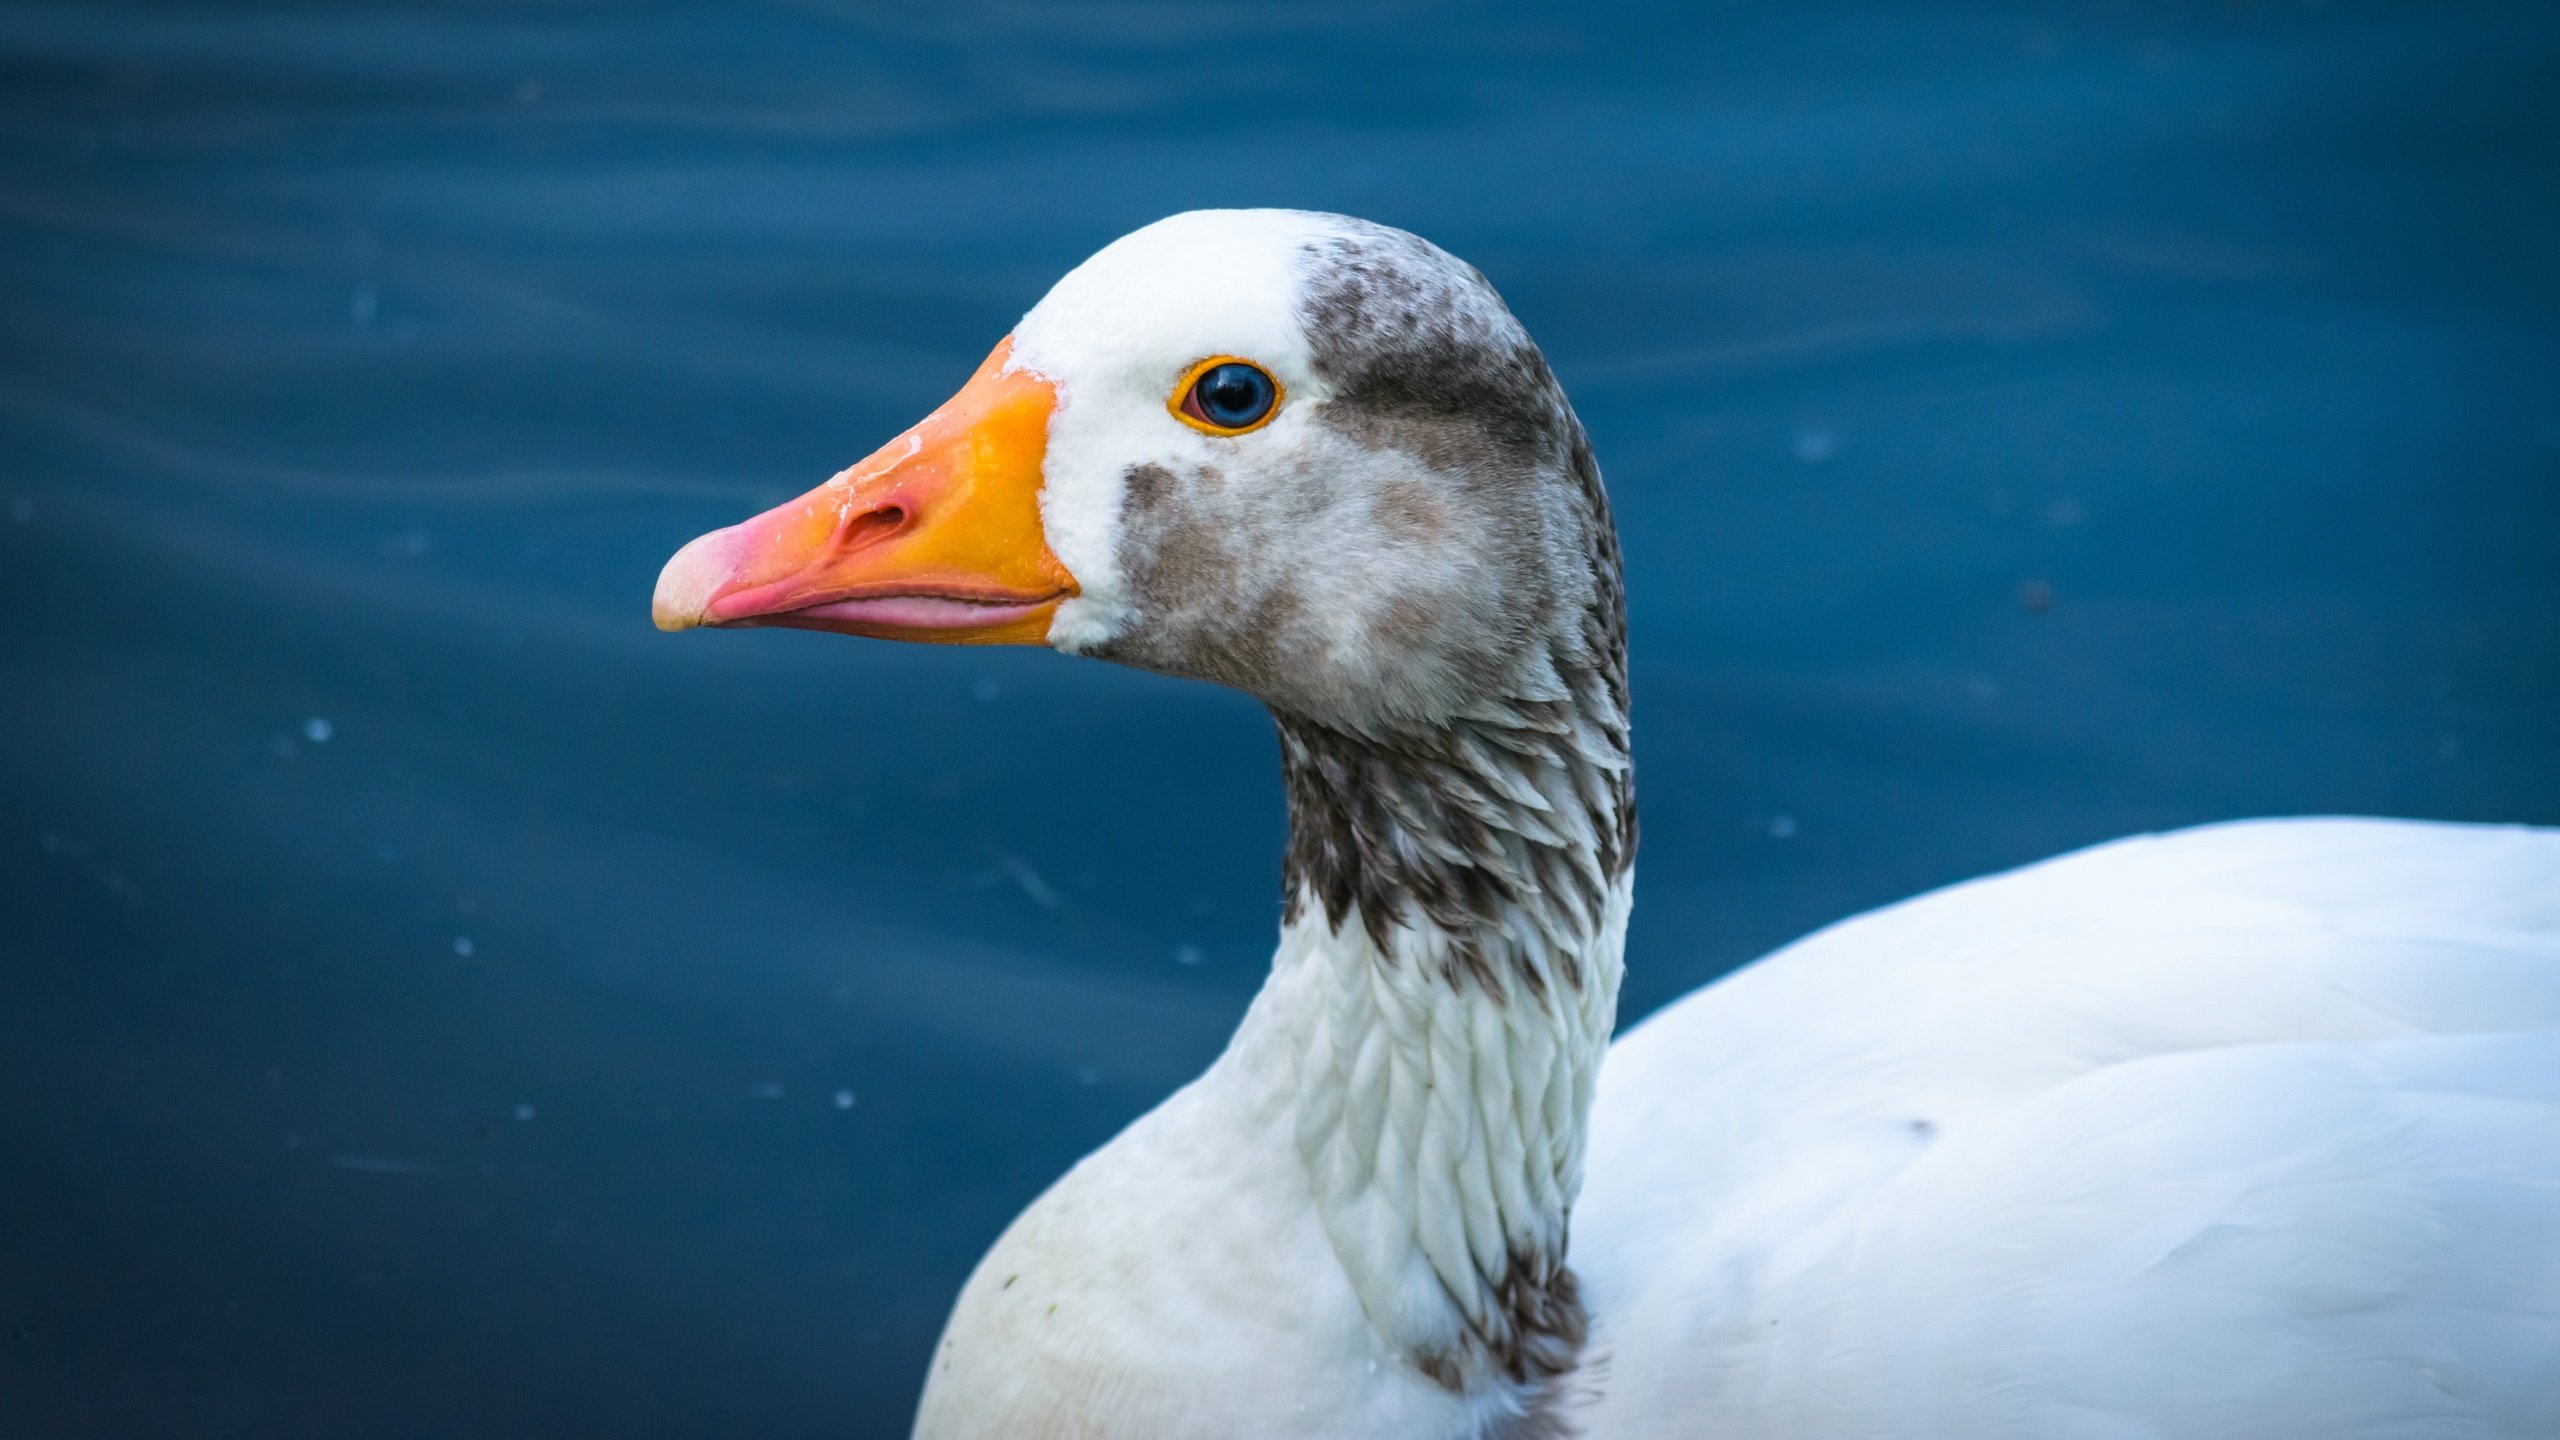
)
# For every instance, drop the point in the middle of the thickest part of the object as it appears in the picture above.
(1234, 395)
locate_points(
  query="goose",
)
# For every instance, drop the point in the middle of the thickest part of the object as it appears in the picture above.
(2245, 1131)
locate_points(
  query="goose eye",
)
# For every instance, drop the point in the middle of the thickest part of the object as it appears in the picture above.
(1227, 397)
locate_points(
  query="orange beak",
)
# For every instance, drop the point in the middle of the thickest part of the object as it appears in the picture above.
(935, 537)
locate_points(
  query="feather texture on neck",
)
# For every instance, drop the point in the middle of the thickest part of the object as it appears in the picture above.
(1457, 912)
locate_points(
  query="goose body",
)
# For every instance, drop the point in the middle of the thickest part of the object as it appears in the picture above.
(2246, 1131)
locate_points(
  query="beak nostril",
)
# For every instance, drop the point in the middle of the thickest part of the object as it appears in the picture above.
(872, 525)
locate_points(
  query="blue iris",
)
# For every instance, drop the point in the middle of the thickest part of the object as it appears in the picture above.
(1234, 395)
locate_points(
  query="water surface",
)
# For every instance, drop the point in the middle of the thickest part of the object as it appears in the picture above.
(434, 1004)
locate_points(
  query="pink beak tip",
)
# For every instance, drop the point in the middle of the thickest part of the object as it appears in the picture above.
(692, 580)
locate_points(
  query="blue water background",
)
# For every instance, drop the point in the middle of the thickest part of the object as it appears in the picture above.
(432, 1003)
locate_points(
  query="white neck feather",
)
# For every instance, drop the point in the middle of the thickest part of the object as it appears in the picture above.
(1441, 1127)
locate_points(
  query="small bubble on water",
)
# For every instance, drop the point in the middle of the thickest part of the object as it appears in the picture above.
(1186, 955)
(1782, 827)
(845, 1099)
(522, 1112)
(318, 730)
(463, 947)
(1815, 446)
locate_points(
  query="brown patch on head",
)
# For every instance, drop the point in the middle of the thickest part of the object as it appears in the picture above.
(1277, 610)
(1422, 355)
(1409, 512)
(1148, 486)
(1177, 556)
(1209, 607)
(1191, 560)
(1404, 624)
(1256, 649)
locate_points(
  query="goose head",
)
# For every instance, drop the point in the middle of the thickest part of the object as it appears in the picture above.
(1307, 456)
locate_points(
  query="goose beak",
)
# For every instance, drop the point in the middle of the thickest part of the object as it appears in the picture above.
(935, 537)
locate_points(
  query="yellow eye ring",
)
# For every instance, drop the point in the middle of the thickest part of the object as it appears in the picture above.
(1226, 395)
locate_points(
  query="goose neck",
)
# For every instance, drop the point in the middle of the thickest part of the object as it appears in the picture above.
(1444, 988)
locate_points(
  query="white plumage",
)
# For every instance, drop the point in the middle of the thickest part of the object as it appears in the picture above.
(2247, 1131)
